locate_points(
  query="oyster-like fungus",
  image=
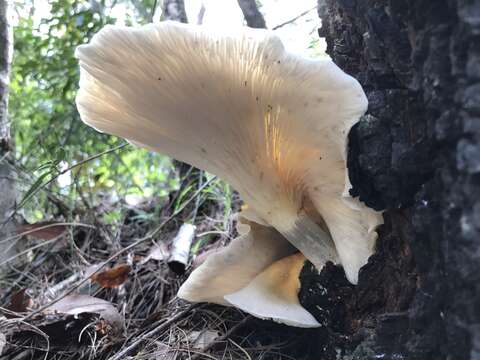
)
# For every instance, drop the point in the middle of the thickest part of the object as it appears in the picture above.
(272, 124)
(273, 294)
(233, 267)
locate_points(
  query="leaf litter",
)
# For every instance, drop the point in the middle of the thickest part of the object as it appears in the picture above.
(59, 301)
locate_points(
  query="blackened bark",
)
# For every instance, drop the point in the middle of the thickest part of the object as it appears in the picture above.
(416, 154)
(174, 10)
(7, 183)
(252, 15)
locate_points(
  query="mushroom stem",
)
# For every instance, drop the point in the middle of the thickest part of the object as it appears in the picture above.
(308, 237)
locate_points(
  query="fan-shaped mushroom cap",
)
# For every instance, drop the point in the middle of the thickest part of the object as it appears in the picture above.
(272, 124)
(273, 294)
(257, 272)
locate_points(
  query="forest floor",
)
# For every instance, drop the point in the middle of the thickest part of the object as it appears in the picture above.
(92, 290)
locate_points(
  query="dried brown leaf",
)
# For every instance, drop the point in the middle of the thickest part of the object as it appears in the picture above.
(42, 230)
(20, 301)
(113, 277)
(77, 304)
(164, 352)
(159, 252)
(202, 339)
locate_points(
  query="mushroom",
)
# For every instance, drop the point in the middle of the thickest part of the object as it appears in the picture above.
(272, 124)
(273, 294)
(258, 273)
(233, 267)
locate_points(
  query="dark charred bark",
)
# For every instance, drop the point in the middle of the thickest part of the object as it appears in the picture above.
(416, 154)
(252, 15)
(7, 183)
(174, 10)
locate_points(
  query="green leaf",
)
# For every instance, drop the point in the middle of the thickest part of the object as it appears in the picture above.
(37, 186)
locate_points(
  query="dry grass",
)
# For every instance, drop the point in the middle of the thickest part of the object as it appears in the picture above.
(157, 324)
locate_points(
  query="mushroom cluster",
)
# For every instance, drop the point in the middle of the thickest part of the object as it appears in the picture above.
(272, 124)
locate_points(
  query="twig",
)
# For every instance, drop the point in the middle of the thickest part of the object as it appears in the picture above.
(57, 288)
(197, 353)
(15, 237)
(197, 201)
(152, 12)
(252, 15)
(42, 186)
(201, 14)
(84, 161)
(294, 19)
(118, 253)
(223, 337)
(4, 156)
(28, 250)
(8, 324)
(46, 227)
(150, 334)
(80, 163)
(241, 349)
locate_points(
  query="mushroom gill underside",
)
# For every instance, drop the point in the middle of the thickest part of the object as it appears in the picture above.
(272, 124)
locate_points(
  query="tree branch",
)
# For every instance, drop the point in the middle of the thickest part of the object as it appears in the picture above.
(201, 14)
(252, 15)
(174, 10)
(5, 60)
(294, 19)
(7, 177)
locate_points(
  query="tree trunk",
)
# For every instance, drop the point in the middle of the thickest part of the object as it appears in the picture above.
(416, 154)
(201, 14)
(251, 14)
(174, 10)
(7, 183)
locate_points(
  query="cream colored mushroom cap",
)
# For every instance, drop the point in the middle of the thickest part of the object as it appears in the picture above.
(233, 267)
(272, 124)
(258, 272)
(273, 294)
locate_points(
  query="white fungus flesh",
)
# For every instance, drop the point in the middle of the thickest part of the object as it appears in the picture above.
(233, 267)
(272, 124)
(258, 272)
(273, 294)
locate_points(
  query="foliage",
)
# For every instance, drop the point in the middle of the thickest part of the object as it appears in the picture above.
(50, 139)
(49, 135)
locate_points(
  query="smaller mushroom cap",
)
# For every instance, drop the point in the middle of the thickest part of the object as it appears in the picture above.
(273, 294)
(232, 268)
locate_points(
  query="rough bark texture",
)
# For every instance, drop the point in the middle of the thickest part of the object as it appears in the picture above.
(5, 59)
(174, 10)
(7, 184)
(252, 15)
(416, 154)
